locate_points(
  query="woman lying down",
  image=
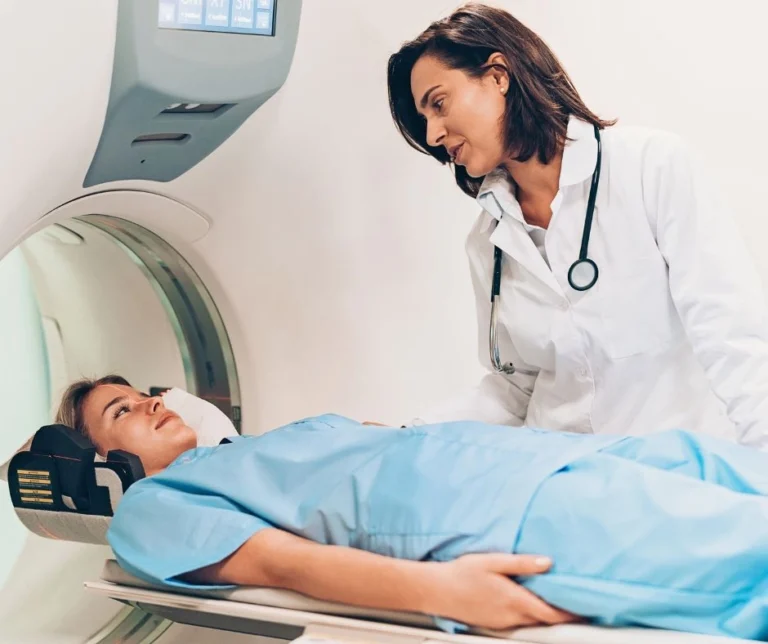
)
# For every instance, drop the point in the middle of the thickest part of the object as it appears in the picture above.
(452, 520)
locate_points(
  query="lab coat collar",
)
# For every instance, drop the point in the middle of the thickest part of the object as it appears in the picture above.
(497, 197)
(510, 234)
(497, 192)
(512, 238)
(580, 153)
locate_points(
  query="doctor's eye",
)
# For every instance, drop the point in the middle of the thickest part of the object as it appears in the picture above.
(120, 410)
(438, 105)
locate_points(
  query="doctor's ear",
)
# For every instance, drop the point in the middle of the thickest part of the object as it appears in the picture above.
(498, 71)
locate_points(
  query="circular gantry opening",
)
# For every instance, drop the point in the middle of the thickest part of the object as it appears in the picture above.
(88, 296)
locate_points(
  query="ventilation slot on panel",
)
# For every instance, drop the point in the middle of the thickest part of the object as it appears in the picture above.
(197, 108)
(162, 137)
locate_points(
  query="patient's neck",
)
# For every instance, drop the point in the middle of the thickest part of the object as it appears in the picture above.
(155, 463)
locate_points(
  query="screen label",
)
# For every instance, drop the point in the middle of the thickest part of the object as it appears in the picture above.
(255, 17)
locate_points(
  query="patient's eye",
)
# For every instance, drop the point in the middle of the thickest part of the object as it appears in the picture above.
(120, 410)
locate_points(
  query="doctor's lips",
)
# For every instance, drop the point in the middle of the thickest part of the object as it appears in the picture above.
(454, 151)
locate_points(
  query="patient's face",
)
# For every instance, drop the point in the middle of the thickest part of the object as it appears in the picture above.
(119, 417)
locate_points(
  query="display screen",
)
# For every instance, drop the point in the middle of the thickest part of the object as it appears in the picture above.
(228, 16)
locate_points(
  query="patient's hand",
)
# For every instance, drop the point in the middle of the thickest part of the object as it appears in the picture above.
(477, 590)
(474, 589)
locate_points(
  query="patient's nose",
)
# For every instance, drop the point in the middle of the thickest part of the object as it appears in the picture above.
(157, 404)
(153, 404)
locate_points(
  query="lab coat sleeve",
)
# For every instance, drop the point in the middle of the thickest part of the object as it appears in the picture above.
(497, 399)
(714, 284)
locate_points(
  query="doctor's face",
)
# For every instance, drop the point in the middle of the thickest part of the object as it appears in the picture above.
(462, 113)
(119, 417)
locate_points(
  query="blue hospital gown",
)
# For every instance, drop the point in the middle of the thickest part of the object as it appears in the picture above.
(668, 530)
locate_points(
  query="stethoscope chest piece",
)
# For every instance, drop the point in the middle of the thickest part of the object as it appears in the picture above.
(583, 274)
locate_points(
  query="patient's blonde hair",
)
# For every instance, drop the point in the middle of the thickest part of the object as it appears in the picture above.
(70, 412)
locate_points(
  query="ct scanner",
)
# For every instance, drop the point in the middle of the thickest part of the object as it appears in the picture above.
(128, 276)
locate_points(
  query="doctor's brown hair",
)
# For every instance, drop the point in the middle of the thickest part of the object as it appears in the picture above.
(540, 99)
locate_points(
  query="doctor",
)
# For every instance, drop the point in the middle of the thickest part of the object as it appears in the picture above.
(625, 301)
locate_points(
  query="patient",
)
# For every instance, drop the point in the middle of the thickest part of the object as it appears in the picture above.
(668, 530)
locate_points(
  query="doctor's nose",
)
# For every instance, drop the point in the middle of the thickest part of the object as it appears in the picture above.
(435, 133)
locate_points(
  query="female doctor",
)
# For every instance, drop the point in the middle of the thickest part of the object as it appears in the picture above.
(614, 294)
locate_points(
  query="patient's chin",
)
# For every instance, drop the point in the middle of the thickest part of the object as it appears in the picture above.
(186, 438)
(157, 455)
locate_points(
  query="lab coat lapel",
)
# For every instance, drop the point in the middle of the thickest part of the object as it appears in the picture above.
(512, 238)
(510, 234)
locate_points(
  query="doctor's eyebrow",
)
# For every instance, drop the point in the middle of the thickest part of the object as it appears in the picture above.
(425, 98)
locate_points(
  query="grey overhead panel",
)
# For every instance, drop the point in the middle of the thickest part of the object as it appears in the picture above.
(187, 74)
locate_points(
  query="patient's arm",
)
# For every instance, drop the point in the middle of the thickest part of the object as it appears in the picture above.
(474, 589)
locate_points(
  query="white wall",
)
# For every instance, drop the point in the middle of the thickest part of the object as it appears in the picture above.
(55, 75)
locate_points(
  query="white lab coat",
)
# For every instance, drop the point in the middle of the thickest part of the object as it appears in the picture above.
(673, 335)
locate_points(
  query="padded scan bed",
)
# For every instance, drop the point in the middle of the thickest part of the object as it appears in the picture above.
(288, 615)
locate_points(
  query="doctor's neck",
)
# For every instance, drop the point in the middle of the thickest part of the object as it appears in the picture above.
(536, 185)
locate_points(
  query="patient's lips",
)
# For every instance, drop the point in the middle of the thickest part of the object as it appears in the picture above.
(166, 418)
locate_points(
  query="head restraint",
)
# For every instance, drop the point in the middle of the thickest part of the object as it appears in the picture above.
(60, 491)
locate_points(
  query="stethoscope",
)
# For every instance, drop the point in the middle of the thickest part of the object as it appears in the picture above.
(582, 275)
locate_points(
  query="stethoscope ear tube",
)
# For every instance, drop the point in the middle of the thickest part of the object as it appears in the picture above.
(592, 198)
(584, 265)
(496, 286)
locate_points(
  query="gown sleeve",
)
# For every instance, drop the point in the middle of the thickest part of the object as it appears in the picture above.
(160, 532)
